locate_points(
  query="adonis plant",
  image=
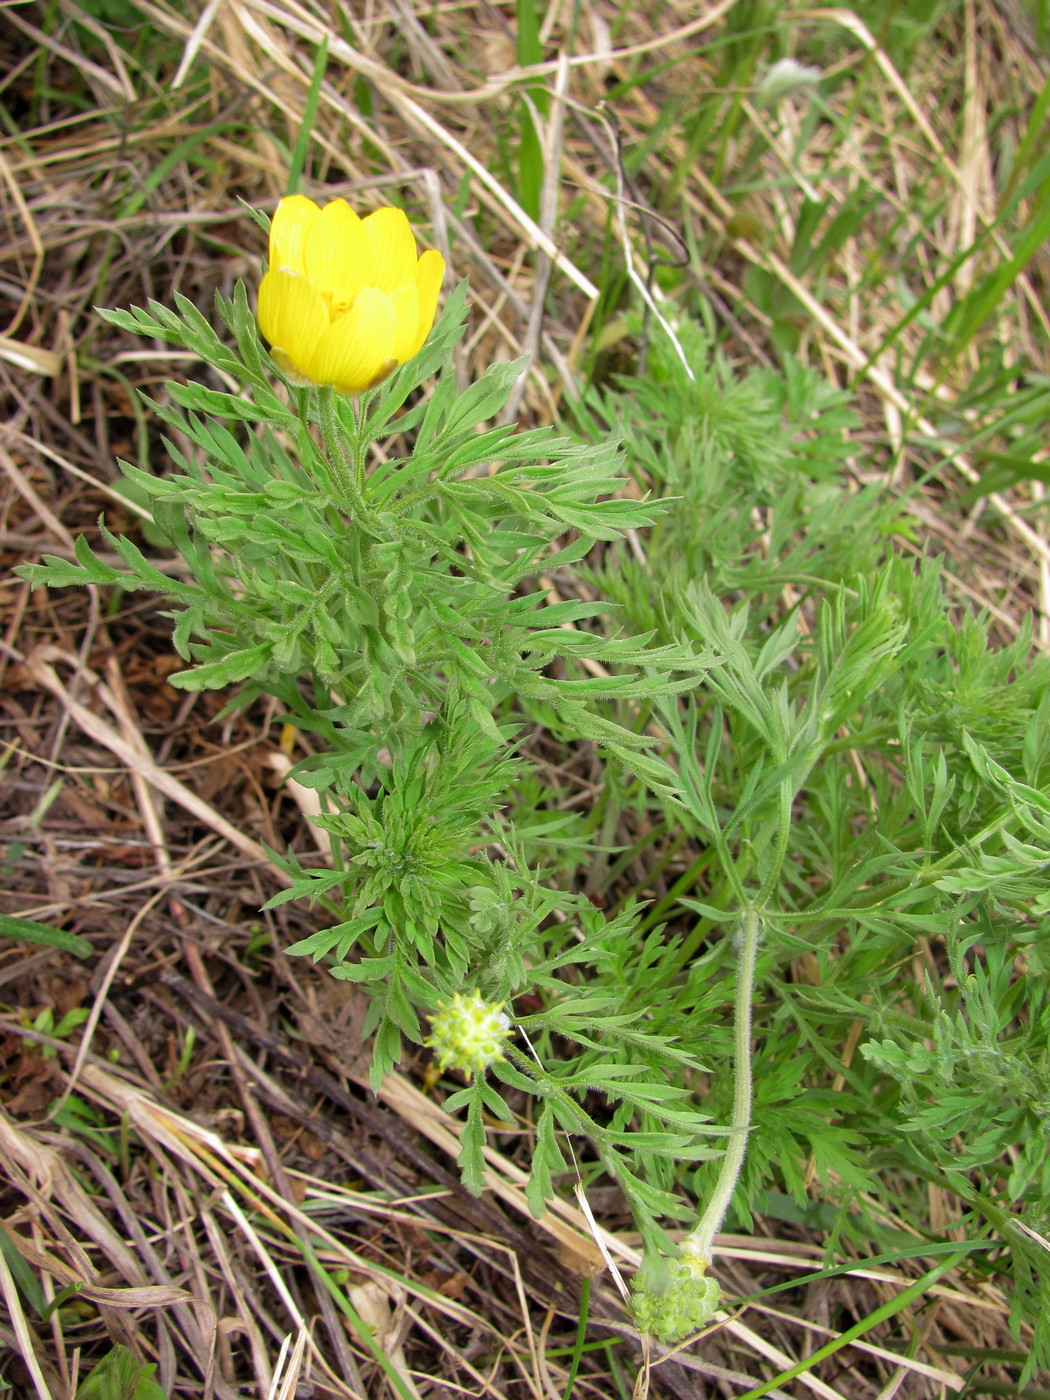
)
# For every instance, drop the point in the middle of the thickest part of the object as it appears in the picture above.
(825, 764)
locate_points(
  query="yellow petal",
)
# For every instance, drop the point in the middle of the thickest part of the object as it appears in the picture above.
(290, 370)
(355, 348)
(429, 275)
(294, 218)
(336, 254)
(406, 313)
(393, 249)
(292, 317)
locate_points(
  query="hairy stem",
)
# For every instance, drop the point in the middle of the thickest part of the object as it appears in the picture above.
(700, 1241)
(343, 456)
(359, 408)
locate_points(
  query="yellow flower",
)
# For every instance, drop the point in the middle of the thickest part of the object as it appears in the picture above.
(345, 300)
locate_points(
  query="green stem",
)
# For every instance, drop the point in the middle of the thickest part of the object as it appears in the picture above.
(699, 1243)
(359, 408)
(343, 455)
(312, 460)
(698, 1246)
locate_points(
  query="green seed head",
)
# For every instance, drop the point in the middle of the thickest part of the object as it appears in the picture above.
(468, 1033)
(674, 1298)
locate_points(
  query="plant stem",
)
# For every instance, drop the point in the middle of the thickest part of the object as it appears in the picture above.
(700, 1241)
(359, 408)
(343, 456)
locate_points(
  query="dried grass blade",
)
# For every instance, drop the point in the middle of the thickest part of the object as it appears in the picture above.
(105, 734)
(23, 1336)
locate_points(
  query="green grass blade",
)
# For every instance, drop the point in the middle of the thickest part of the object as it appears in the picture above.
(25, 1279)
(909, 1295)
(969, 315)
(581, 1336)
(530, 47)
(313, 97)
(30, 932)
(535, 103)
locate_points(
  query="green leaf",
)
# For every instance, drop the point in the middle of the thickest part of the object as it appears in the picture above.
(196, 396)
(13, 927)
(484, 398)
(472, 1141)
(25, 1280)
(120, 1376)
(547, 1160)
(235, 666)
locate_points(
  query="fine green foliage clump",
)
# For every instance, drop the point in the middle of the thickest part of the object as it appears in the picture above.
(842, 783)
(862, 752)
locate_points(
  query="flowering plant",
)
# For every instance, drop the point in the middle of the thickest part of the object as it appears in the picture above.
(400, 606)
(391, 603)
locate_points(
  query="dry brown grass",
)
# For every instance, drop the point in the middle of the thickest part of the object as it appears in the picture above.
(203, 1150)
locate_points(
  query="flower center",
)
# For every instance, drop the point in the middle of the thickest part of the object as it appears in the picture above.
(336, 308)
